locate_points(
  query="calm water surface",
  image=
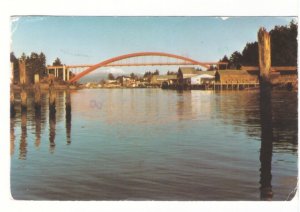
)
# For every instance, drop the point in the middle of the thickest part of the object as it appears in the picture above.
(153, 144)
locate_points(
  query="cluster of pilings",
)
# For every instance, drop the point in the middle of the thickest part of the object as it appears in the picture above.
(37, 96)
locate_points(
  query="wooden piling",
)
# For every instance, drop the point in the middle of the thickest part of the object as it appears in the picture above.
(23, 82)
(22, 68)
(264, 56)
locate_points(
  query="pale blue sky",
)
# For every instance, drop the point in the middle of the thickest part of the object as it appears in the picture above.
(89, 40)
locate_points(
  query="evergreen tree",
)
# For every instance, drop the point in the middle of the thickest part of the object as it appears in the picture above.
(284, 45)
(16, 71)
(111, 76)
(57, 62)
(235, 60)
(250, 54)
(226, 60)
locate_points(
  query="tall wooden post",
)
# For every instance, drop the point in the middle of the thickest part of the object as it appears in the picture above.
(37, 92)
(264, 51)
(12, 97)
(23, 82)
(264, 55)
(22, 68)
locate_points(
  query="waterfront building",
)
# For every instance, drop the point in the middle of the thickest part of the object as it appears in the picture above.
(205, 77)
(185, 74)
(235, 76)
(160, 79)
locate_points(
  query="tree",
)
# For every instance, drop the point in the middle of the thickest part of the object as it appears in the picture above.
(133, 76)
(156, 72)
(284, 48)
(42, 65)
(35, 64)
(250, 54)
(235, 60)
(226, 60)
(16, 71)
(57, 62)
(23, 56)
(147, 74)
(284, 45)
(111, 76)
(32, 66)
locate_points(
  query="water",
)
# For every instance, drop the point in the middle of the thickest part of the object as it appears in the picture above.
(153, 144)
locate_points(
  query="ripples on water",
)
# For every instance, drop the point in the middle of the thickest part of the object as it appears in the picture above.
(152, 144)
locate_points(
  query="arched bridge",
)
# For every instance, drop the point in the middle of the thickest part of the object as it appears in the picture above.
(166, 59)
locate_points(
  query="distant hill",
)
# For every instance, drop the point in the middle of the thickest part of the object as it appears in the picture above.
(102, 75)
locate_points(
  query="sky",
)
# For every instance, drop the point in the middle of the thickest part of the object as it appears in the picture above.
(90, 40)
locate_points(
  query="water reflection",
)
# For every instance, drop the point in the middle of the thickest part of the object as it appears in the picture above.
(38, 116)
(52, 126)
(173, 135)
(68, 116)
(23, 142)
(267, 137)
(12, 136)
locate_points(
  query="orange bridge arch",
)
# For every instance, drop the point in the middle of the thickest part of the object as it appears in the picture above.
(138, 54)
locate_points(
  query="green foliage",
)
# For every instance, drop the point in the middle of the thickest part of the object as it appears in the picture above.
(35, 64)
(284, 48)
(57, 62)
(284, 45)
(171, 73)
(133, 76)
(111, 76)
(250, 54)
(16, 73)
(226, 60)
(149, 74)
(235, 60)
(23, 56)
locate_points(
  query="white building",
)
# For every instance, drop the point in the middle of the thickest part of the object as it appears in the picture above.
(203, 78)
